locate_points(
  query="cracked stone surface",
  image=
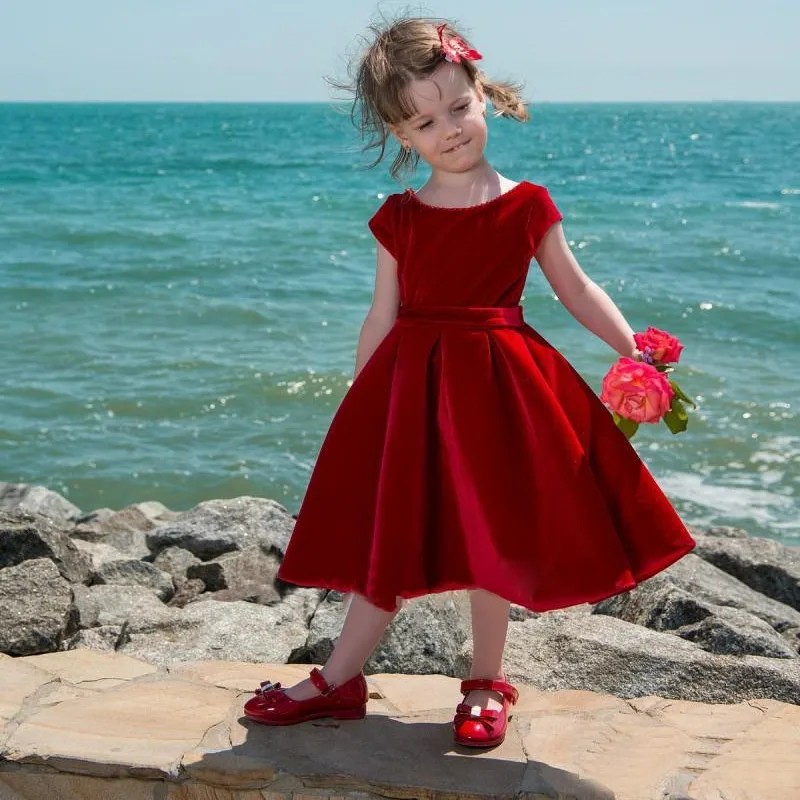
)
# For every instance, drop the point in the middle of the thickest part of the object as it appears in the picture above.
(83, 724)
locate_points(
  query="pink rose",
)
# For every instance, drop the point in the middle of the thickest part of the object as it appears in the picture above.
(660, 346)
(637, 391)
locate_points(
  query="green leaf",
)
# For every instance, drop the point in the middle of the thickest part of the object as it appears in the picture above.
(676, 419)
(627, 426)
(677, 406)
(681, 394)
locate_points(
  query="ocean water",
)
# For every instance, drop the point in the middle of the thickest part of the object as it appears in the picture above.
(182, 288)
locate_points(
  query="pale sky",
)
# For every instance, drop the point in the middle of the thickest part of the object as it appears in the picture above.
(272, 50)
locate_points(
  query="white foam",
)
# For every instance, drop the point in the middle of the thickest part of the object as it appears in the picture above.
(730, 501)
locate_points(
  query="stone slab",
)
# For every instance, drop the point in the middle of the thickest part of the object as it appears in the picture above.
(179, 734)
(91, 668)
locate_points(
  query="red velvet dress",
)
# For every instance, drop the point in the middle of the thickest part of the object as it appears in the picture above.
(468, 452)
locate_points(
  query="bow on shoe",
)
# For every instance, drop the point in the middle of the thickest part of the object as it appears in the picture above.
(485, 715)
(267, 686)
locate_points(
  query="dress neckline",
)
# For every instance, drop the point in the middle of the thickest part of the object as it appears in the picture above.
(466, 208)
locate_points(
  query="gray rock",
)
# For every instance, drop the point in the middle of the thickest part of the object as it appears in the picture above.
(188, 591)
(219, 526)
(231, 631)
(106, 638)
(709, 583)
(154, 511)
(559, 650)
(95, 517)
(151, 510)
(763, 564)
(426, 635)
(518, 613)
(237, 569)
(249, 592)
(28, 535)
(37, 500)
(661, 605)
(130, 572)
(176, 561)
(732, 631)
(324, 629)
(792, 636)
(36, 610)
(134, 608)
(126, 530)
(98, 554)
(656, 603)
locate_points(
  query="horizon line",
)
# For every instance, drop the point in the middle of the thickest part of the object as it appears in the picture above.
(346, 102)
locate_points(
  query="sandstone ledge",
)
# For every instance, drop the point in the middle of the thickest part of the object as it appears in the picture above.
(84, 724)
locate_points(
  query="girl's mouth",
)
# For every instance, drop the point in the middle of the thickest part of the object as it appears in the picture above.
(458, 147)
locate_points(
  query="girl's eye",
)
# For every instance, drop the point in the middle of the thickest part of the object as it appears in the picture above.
(458, 108)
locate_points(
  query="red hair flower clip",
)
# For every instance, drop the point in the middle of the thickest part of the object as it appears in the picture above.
(454, 48)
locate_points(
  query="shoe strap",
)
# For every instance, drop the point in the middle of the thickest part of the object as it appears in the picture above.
(506, 689)
(318, 679)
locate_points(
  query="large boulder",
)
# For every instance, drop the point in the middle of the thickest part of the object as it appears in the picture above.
(134, 608)
(561, 650)
(37, 500)
(215, 527)
(126, 530)
(97, 554)
(130, 572)
(426, 635)
(36, 609)
(666, 602)
(176, 561)
(237, 569)
(709, 583)
(26, 535)
(764, 564)
(729, 630)
(236, 631)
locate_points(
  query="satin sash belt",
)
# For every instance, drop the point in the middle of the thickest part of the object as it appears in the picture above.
(477, 316)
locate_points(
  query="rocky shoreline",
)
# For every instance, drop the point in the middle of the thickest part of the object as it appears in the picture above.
(722, 625)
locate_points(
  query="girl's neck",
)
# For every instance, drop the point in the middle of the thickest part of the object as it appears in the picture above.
(459, 184)
(463, 188)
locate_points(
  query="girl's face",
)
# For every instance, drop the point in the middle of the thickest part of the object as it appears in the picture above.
(449, 128)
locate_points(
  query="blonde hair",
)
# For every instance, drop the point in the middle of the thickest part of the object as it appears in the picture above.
(403, 50)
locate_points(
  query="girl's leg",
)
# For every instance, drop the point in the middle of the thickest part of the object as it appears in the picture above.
(363, 628)
(489, 629)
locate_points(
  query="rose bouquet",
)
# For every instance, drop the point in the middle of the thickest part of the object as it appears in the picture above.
(639, 391)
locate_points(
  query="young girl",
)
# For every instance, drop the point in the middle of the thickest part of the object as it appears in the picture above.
(468, 453)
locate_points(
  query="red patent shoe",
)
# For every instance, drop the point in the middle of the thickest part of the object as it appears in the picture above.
(272, 706)
(474, 726)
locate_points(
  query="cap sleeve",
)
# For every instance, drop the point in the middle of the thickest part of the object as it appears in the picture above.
(382, 224)
(542, 215)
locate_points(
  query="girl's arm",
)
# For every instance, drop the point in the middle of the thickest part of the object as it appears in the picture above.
(383, 310)
(581, 296)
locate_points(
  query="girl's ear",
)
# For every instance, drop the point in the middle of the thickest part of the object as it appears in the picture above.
(400, 136)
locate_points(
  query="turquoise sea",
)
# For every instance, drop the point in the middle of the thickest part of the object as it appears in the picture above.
(182, 288)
